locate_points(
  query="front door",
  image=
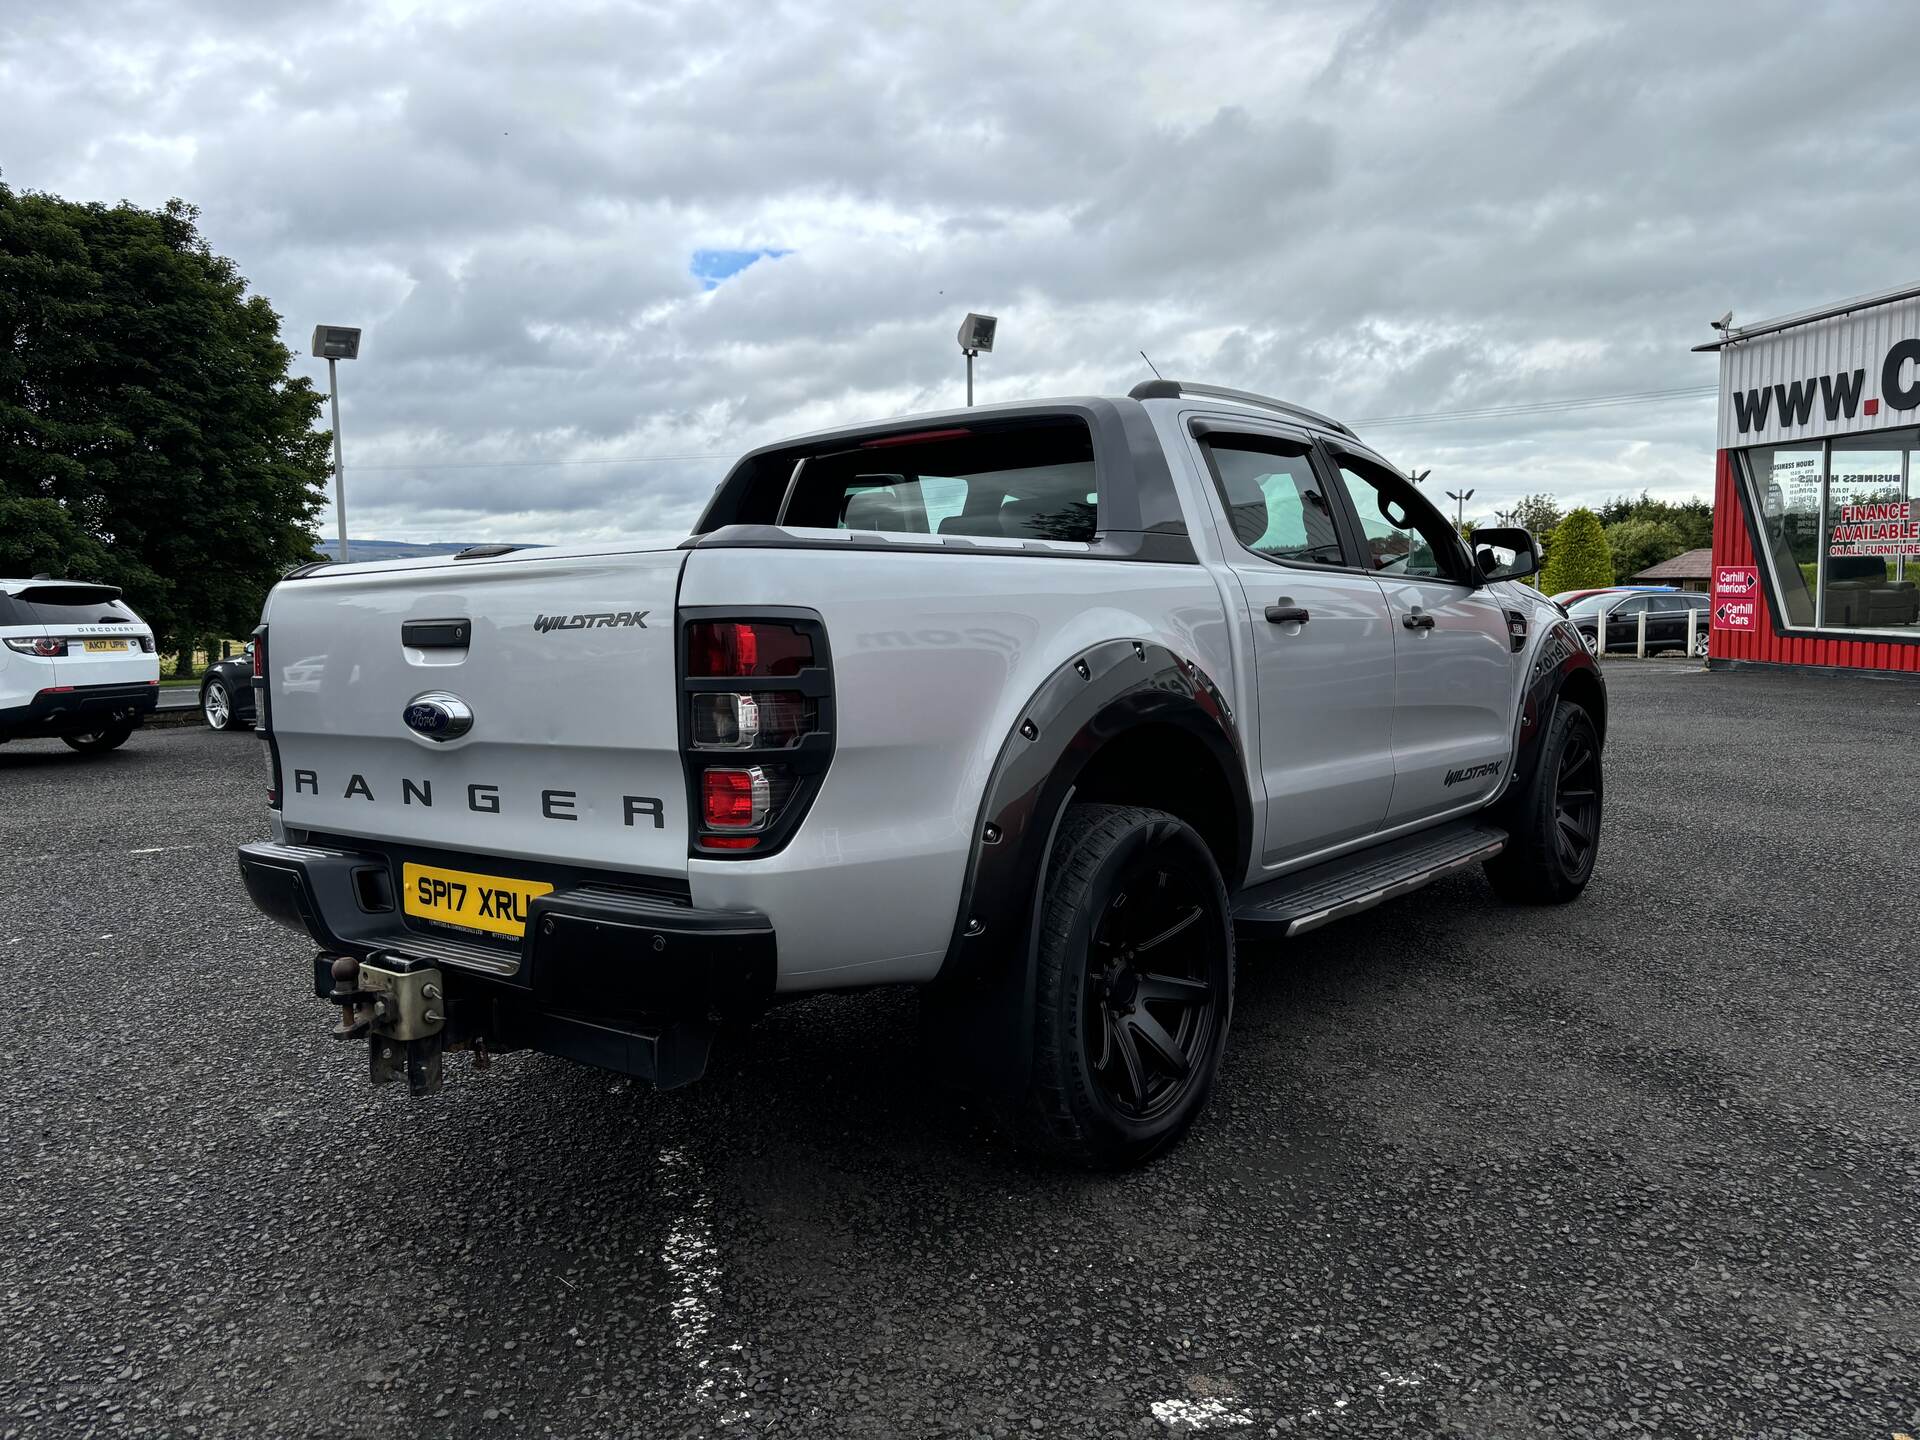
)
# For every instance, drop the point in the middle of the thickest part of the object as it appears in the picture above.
(1319, 636)
(1455, 681)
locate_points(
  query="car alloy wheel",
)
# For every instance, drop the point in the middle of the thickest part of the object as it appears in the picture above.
(1576, 803)
(1591, 641)
(217, 705)
(1152, 1006)
(1702, 645)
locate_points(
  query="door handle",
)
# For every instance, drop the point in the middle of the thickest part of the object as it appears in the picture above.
(1284, 613)
(1418, 620)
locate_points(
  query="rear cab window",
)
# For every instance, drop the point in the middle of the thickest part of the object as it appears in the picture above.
(1016, 482)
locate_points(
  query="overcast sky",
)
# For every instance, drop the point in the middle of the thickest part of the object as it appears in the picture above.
(540, 214)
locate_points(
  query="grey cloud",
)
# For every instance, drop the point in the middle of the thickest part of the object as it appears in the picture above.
(1399, 209)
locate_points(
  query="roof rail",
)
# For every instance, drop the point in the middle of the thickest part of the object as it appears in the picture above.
(1174, 389)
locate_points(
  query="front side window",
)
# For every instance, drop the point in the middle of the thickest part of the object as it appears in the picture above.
(1275, 501)
(1404, 534)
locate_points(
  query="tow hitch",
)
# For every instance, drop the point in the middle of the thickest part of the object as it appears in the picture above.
(400, 1005)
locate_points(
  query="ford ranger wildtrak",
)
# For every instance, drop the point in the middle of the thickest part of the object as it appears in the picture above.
(1035, 706)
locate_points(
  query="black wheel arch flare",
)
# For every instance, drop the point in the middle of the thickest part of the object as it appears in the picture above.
(1560, 658)
(983, 996)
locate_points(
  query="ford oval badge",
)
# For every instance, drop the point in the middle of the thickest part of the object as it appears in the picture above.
(438, 716)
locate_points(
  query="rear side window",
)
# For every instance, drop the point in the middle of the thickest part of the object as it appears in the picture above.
(1020, 482)
(1276, 502)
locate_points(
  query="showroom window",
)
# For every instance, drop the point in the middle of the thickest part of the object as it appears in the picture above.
(1837, 522)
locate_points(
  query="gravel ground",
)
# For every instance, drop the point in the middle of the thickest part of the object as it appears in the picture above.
(1645, 1165)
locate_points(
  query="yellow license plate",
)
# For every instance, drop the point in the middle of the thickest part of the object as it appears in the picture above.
(479, 902)
(96, 646)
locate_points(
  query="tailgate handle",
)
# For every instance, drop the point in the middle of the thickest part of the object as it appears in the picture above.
(436, 634)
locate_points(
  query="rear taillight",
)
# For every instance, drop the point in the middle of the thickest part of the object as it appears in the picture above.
(146, 643)
(735, 799)
(761, 719)
(46, 649)
(757, 729)
(742, 648)
(263, 717)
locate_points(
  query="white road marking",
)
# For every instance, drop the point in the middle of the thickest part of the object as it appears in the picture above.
(692, 1260)
(1229, 1412)
(1199, 1414)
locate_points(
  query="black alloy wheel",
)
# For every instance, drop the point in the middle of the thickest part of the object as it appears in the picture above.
(1151, 1004)
(1134, 986)
(1553, 816)
(1576, 801)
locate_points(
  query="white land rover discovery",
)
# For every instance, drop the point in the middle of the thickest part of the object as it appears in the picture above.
(75, 662)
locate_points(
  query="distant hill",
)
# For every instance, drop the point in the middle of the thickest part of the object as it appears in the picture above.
(395, 549)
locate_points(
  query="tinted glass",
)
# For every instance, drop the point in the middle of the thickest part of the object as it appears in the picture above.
(1025, 483)
(1404, 534)
(1591, 605)
(71, 605)
(1276, 503)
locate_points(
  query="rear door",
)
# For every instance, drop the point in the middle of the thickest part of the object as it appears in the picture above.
(566, 665)
(1455, 683)
(101, 639)
(1320, 637)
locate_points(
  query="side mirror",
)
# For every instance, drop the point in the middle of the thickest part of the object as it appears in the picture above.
(247, 654)
(1505, 553)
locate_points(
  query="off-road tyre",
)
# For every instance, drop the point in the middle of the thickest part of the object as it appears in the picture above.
(1553, 821)
(111, 737)
(1094, 985)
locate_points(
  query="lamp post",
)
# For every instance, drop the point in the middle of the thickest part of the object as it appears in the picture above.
(337, 343)
(976, 334)
(1459, 498)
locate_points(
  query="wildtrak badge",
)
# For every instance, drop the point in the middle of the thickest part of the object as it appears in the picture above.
(1474, 772)
(592, 621)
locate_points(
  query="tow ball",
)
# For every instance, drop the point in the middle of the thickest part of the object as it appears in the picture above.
(400, 1005)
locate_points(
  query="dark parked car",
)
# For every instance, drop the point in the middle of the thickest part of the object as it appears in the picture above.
(1666, 614)
(226, 692)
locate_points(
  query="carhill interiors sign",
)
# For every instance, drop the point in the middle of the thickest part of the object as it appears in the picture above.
(1844, 375)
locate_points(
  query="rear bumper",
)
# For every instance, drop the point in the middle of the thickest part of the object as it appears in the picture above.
(603, 975)
(79, 710)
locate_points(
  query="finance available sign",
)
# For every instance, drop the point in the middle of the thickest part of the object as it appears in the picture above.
(1884, 527)
(1736, 597)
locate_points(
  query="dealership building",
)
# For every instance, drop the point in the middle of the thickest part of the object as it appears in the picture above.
(1816, 531)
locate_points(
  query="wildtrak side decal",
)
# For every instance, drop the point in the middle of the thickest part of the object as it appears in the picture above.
(593, 621)
(1474, 772)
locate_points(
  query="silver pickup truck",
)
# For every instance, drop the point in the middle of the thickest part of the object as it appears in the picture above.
(1034, 706)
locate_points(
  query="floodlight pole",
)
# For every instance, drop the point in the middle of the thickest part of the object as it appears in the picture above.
(970, 354)
(339, 465)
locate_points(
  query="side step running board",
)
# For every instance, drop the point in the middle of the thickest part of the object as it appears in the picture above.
(1308, 899)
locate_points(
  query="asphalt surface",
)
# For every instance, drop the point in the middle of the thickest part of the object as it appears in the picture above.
(1645, 1165)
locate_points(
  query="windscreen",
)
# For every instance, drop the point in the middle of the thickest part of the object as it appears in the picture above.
(1033, 481)
(1591, 605)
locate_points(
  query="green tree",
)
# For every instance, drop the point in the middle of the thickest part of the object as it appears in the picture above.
(1637, 544)
(1536, 513)
(1692, 520)
(1577, 557)
(150, 435)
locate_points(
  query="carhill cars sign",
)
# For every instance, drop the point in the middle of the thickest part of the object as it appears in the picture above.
(1736, 604)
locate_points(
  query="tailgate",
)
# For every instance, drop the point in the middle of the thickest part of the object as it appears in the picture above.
(566, 666)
